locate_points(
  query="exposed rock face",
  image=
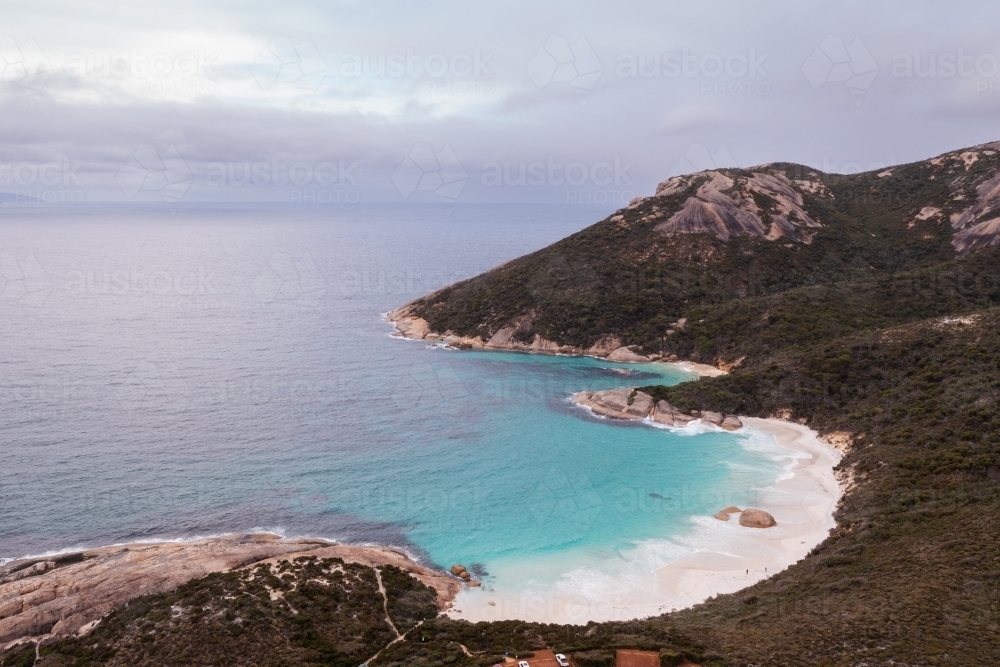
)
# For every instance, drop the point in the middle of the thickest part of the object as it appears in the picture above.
(978, 236)
(411, 327)
(712, 417)
(731, 423)
(669, 415)
(755, 518)
(723, 514)
(614, 403)
(763, 204)
(62, 595)
(604, 346)
(627, 355)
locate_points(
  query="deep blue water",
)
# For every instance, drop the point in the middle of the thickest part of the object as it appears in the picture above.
(205, 371)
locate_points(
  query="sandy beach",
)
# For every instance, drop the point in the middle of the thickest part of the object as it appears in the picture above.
(717, 557)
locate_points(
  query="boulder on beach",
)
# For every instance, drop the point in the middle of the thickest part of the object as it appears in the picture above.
(723, 514)
(755, 518)
(731, 423)
(457, 569)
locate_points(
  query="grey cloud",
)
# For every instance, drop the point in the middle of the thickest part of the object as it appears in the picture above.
(746, 78)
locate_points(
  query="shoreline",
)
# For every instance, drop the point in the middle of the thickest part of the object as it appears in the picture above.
(67, 593)
(407, 327)
(723, 557)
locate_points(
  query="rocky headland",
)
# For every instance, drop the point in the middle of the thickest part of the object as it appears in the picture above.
(629, 403)
(68, 594)
(518, 337)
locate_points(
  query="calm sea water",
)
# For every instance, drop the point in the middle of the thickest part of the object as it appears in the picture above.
(169, 374)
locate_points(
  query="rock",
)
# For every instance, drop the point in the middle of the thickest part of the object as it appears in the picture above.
(731, 423)
(674, 358)
(642, 404)
(502, 337)
(723, 515)
(615, 403)
(540, 344)
(755, 518)
(604, 346)
(626, 355)
(411, 327)
(466, 576)
(724, 207)
(711, 417)
(664, 413)
(696, 414)
(474, 584)
(457, 570)
(68, 593)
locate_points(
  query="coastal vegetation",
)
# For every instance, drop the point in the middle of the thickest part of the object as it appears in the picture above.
(878, 329)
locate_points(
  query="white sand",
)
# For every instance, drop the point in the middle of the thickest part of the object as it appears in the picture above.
(719, 557)
(703, 370)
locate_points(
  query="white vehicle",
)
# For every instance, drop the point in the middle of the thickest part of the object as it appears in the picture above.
(523, 663)
(561, 659)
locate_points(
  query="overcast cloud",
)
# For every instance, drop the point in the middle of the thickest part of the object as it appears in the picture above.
(340, 102)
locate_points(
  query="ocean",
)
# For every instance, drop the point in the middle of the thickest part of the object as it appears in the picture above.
(169, 373)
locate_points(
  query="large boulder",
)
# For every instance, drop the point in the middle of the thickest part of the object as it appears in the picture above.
(626, 355)
(723, 515)
(615, 403)
(731, 423)
(604, 346)
(755, 518)
(664, 413)
(457, 569)
(711, 417)
(669, 415)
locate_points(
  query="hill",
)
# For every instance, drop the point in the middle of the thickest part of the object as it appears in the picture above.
(863, 306)
(724, 236)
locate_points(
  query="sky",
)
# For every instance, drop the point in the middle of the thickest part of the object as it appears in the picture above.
(344, 103)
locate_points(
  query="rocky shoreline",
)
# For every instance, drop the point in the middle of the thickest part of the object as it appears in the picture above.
(68, 594)
(629, 403)
(609, 347)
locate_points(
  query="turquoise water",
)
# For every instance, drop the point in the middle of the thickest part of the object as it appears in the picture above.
(170, 375)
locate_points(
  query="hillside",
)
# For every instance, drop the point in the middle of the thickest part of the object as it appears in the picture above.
(863, 306)
(723, 235)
